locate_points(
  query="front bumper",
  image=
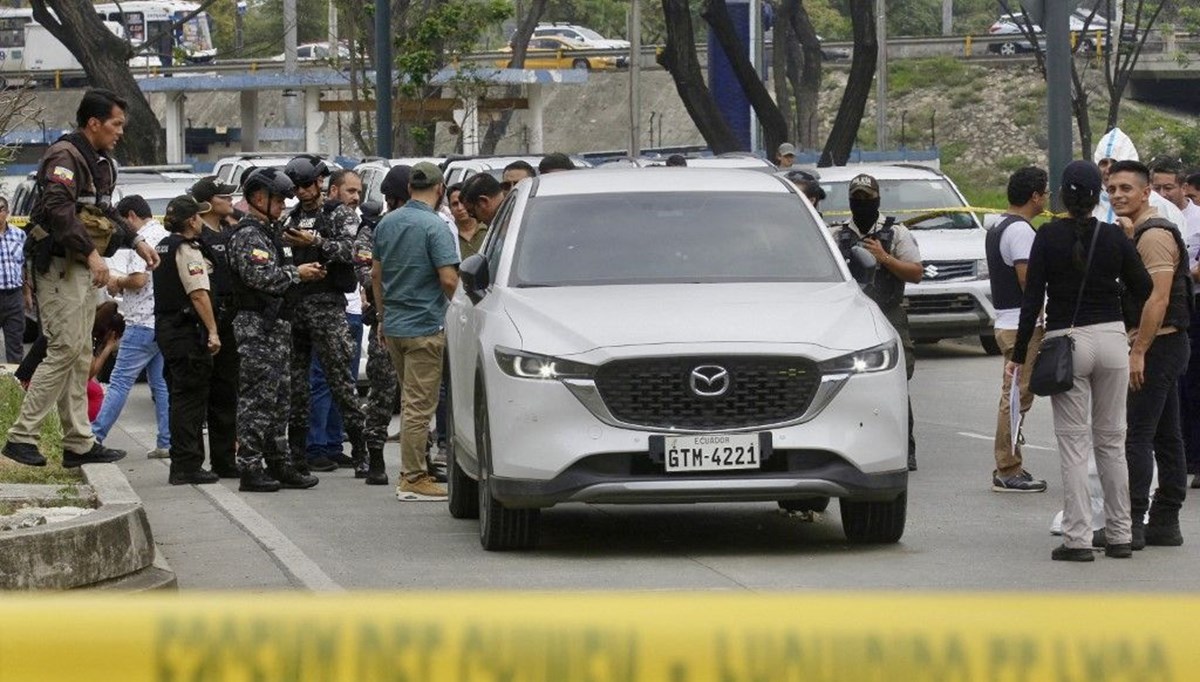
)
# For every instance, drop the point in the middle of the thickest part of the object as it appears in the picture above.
(949, 310)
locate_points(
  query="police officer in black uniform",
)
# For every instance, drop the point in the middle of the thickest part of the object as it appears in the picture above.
(899, 259)
(185, 327)
(218, 222)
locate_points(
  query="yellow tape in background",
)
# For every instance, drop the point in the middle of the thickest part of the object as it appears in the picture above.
(562, 638)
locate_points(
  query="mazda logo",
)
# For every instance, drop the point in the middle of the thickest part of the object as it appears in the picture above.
(709, 381)
(931, 271)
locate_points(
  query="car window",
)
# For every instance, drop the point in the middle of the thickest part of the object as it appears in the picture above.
(493, 248)
(670, 237)
(905, 199)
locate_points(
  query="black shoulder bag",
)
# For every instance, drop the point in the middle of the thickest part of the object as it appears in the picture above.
(1054, 369)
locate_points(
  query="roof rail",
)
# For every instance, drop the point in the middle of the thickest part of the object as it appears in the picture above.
(162, 168)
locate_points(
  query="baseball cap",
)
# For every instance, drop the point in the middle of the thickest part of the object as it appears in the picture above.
(395, 183)
(425, 175)
(181, 209)
(208, 187)
(787, 149)
(1081, 175)
(864, 185)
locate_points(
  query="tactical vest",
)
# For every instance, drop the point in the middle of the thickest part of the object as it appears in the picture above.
(339, 277)
(170, 299)
(222, 280)
(1179, 307)
(1006, 287)
(887, 290)
(254, 299)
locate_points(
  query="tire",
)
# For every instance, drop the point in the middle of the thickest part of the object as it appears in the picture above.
(874, 522)
(812, 504)
(1008, 49)
(500, 529)
(462, 492)
(990, 346)
(581, 64)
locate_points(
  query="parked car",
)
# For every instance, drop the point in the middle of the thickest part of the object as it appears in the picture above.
(954, 299)
(373, 170)
(833, 54)
(1084, 27)
(580, 35)
(230, 169)
(316, 52)
(688, 335)
(552, 52)
(459, 168)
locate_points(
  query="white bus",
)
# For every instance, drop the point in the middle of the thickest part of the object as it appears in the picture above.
(142, 20)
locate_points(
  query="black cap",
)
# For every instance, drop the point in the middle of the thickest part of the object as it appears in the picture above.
(181, 209)
(1082, 176)
(395, 183)
(208, 187)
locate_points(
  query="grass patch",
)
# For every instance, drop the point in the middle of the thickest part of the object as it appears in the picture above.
(11, 396)
(9, 508)
(909, 75)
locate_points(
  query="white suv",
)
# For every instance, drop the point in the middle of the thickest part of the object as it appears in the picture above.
(954, 299)
(669, 335)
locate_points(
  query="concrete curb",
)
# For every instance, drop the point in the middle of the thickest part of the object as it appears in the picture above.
(111, 548)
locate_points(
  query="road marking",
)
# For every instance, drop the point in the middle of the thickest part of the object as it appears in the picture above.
(290, 558)
(980, 436)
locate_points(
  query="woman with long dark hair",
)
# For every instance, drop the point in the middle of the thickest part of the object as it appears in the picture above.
(1077, 267)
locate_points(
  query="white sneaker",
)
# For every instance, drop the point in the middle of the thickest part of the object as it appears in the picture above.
(159, 453)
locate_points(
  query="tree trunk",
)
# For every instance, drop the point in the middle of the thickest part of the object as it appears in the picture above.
(498, 127)
(780, 53)
(678, 57)
(858, 86)
(105, 59)
(774, 126)
(1083, 118)
(809, 62)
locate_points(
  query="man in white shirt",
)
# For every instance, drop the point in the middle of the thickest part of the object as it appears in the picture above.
(1008, 244)
(1169, 180)
(138, 351)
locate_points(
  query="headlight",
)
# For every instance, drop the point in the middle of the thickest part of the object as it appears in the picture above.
(522, 365)
(877, 359)
(981, 269)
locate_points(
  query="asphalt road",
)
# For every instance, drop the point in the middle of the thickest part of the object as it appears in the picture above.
(960, 535)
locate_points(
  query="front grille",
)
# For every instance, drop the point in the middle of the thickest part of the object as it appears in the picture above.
(947, 270)
(657, 392)
(940, 304)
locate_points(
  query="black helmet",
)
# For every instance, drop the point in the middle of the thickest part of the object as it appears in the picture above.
(271, 179)
(305, 169)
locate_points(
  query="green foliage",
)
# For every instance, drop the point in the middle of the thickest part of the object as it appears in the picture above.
(439, 34)
(905, 17)
(907, 75)
(262, 26)
(11, 396)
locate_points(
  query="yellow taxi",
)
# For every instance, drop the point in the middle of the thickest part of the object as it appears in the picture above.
(552, 52)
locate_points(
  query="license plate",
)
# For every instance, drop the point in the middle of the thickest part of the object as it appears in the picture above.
(712, 452)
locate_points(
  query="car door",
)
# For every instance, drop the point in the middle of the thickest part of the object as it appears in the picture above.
(542, 54)
(464, 322)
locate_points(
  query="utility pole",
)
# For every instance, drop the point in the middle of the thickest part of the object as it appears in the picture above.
(947, 17)
(383, 78)
(756, 60)
(1056, 22)
(881, 76)
(635, 79)
(333, 33)
(292, 116)
(238, 20)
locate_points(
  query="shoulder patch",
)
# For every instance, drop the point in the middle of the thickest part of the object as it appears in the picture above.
(62, 175)
(258, 256)
(195, 268)
(363, 256)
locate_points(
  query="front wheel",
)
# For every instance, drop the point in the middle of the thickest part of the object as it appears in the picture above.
(1008, 49)
(462, 492)
(500, 528)
(581, 64)
(874, 522)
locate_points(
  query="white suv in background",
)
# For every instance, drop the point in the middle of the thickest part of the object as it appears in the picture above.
(665, 335)
(954, 299)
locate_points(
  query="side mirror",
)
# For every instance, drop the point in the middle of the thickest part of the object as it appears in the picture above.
(862, 265)
(476, 277)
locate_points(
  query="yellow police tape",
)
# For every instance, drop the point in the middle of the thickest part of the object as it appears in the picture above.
(560, 638)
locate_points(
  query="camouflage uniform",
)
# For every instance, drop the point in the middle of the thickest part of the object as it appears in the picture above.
(381, 375)
(319, 323)
(264, 342)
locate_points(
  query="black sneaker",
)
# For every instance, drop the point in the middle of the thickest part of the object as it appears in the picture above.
(1099, 539)
(1139, 537)
(1017, 483)
(1064, 553)
(436, 471)
(1195, 482)
(912, 461)
(1164, 535)
(24, 453)
(197, 477)
(1121, 551)
(258, 481)
(323, 464)
(97, 455)
(290, 477)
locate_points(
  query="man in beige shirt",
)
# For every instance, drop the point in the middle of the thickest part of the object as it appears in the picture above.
(1158, 357)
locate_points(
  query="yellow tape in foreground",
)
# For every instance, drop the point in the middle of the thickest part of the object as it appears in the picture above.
(562, 638)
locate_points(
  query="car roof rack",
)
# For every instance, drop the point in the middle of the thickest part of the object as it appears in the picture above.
(162, 168)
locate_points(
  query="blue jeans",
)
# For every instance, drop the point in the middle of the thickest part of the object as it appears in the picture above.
(325, 432)
(136, 352)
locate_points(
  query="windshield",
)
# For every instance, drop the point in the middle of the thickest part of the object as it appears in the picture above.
(590, 34)
(905, 199)
(670, 237)
(195, 36)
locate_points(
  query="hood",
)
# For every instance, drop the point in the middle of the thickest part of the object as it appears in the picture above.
(960, 244)
(569, 320)
(1115, 145)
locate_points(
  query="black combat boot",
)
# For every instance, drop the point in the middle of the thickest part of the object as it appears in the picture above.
(359, 457)
(257, 480)
(290, 477)
(375, 474)
(1163, 529)
(1138, 530)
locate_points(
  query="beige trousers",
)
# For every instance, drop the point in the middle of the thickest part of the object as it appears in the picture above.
(1008, 458)
(67, 308)
(418, 364)
(1091, 418)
